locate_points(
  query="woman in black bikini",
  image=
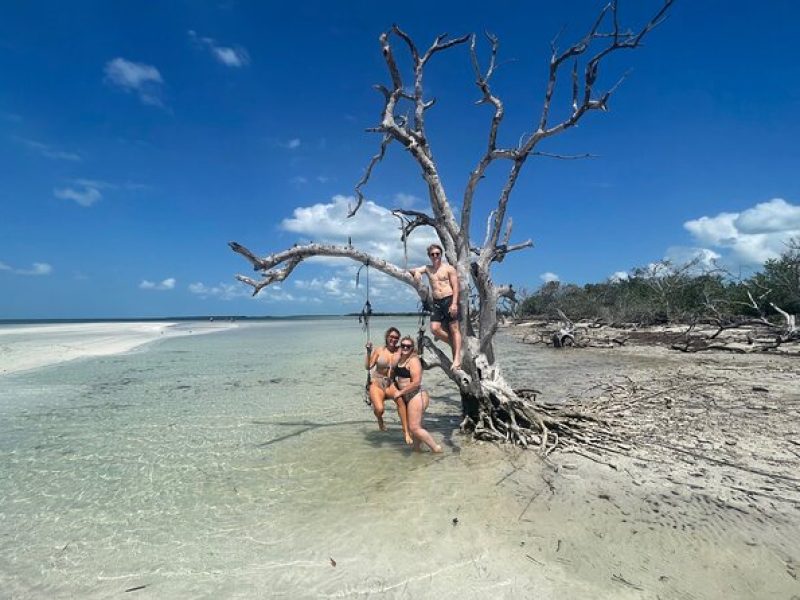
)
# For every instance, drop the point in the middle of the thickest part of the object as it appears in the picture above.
(379, 363)
(407, 390)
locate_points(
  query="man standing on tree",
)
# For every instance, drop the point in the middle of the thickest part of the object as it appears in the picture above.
(444, 288)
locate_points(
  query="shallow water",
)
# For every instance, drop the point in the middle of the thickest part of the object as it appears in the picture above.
(245, 464)
(213, 465)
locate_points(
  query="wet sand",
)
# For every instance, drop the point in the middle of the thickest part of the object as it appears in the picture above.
(702, 502)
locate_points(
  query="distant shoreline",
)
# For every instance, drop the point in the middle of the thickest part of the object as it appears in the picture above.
(160, 319)
(222, 318)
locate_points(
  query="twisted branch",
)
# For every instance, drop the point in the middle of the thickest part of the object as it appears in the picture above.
(277, 267)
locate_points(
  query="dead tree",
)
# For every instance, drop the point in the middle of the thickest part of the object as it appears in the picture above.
(761, 334)
(493, 410)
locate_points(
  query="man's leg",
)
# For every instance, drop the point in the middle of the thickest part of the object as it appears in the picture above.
(455, 344)
(439, 332)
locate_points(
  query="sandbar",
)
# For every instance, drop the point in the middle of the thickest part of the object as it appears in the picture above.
(26, 347)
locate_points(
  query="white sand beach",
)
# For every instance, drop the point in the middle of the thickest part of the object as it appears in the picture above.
(24, 347)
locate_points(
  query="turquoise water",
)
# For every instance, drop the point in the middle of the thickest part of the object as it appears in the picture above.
(215, 465)
(245, 464)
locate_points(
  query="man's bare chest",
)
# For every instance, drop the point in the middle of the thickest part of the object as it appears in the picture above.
(439, 276)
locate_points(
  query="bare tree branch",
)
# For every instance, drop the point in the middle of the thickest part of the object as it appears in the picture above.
(414, 140)
(295, 255)
(387, 139)
(564, 156)
(589, 102)
(618, 41)
(482, 81)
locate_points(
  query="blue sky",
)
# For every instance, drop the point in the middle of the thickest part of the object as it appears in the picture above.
(137, 139)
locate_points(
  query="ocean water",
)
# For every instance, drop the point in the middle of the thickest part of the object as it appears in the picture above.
(243, 463)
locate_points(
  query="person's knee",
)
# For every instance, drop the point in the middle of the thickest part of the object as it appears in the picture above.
(436, 327)
(378, 411)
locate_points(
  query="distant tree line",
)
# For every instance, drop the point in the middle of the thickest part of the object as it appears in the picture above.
(663, 292)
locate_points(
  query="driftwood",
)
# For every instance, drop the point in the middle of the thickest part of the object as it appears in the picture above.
(743, 335)
(760, 334)
(682, 424)
(567, 334)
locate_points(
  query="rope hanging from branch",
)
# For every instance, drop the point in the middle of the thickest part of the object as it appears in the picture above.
(363, 318)
(366, 311)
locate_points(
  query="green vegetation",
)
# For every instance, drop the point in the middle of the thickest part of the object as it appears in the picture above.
(662, 292)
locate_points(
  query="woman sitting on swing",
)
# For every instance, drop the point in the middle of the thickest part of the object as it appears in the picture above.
(379, 362)
(407, 391)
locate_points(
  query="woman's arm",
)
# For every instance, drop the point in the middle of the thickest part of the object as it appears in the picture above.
(409, 391)
(372, 356)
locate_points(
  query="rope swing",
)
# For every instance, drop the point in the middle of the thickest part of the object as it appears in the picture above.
(366, 311)
(363, 318)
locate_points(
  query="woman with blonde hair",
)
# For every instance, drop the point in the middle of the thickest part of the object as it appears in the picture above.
(379, 363)
(407, 389)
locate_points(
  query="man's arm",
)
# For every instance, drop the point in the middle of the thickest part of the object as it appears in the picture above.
(417, 273)
(453, 276)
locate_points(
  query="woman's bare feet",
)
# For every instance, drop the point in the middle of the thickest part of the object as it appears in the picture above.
(381, 425)
(409, 439)
(437, 449)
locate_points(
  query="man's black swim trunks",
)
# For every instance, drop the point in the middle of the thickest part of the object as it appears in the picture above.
(441, 311)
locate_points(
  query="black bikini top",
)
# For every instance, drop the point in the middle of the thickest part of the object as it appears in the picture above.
(403, 372)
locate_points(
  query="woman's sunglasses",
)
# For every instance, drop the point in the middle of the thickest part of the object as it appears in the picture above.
(406, 346)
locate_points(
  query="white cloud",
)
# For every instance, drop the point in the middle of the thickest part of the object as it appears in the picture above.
(619, 276)
(228, 291)
(48, 151)
(373, 229)
(406, 201)
(230, 56)
(166, 284)
(88, 191)
(285, 144)
(340, 286)
(384, 291)
(775, 216)
(547, 277)
(38, 268)
(752, 236)
(225, 291)
(681, 255)
(143, 80)
(86, 195)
